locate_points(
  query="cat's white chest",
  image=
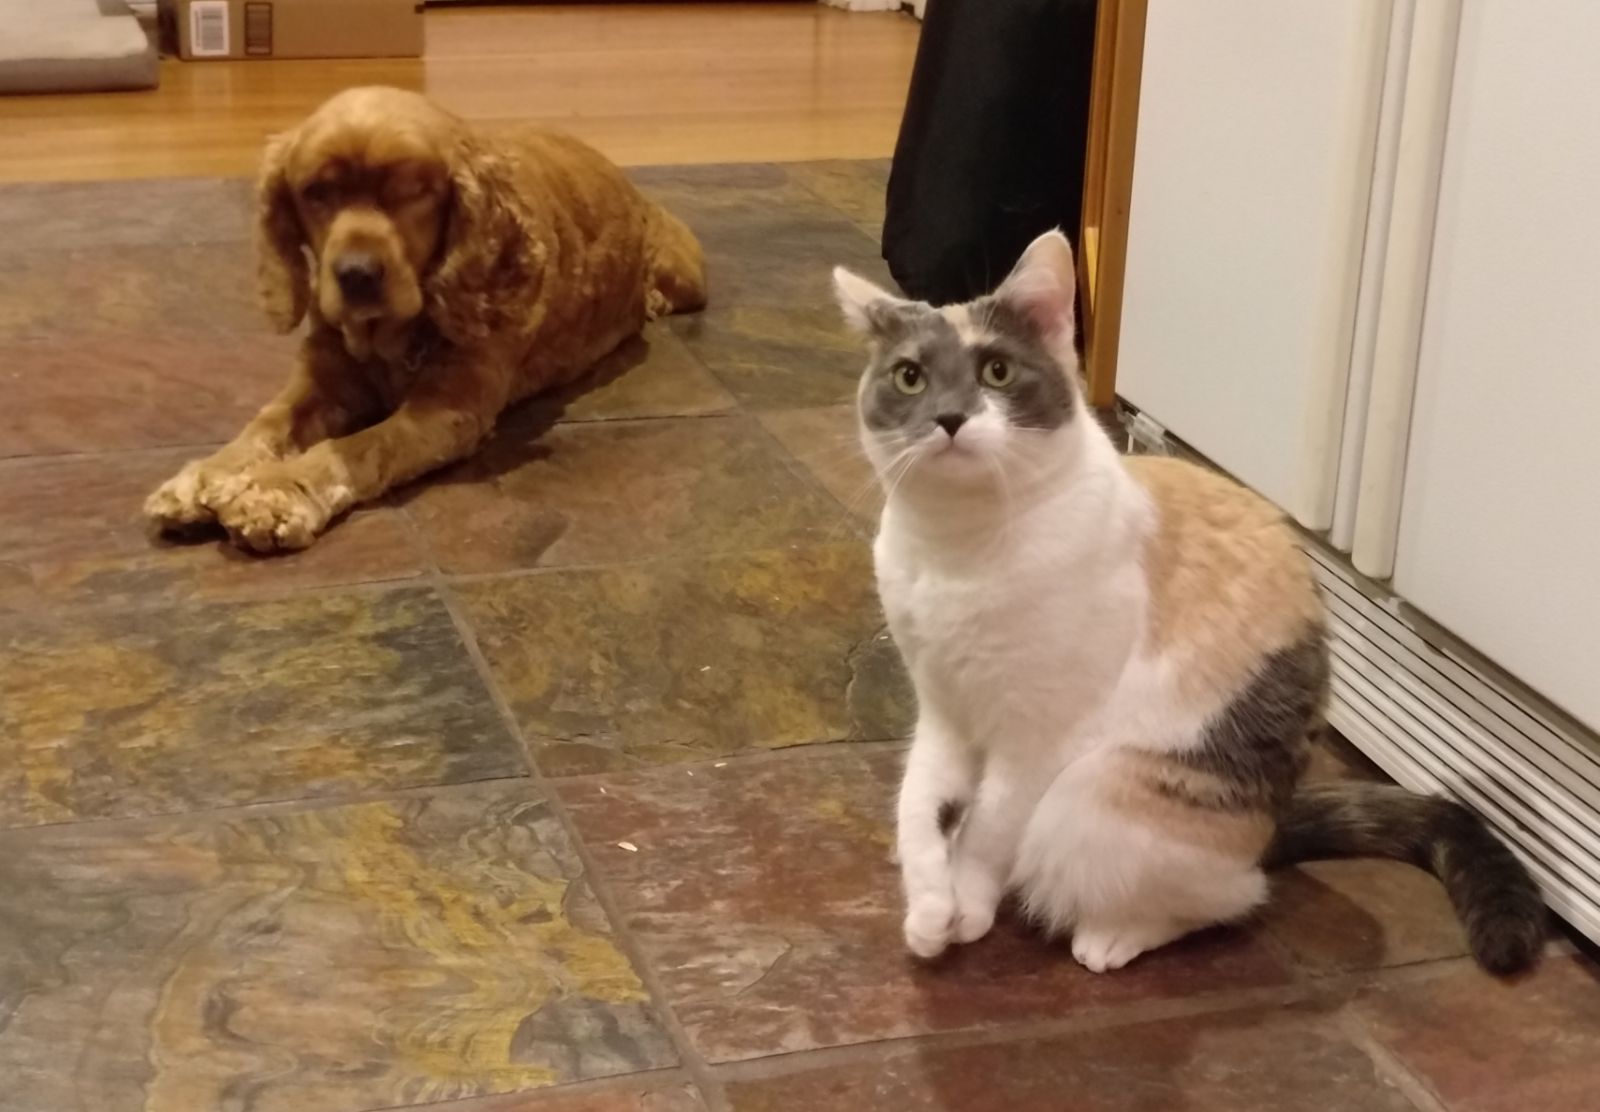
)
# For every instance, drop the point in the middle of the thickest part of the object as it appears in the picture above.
(940, 622)
(1010, 649)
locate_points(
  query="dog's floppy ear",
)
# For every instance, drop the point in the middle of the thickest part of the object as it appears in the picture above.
(283, 283)
(492, 261)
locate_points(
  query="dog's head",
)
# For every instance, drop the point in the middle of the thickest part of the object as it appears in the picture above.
(375, 205)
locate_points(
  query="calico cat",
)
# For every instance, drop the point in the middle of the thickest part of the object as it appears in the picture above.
(1119, 663)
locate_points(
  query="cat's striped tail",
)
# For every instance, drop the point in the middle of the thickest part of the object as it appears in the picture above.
(1496, 899)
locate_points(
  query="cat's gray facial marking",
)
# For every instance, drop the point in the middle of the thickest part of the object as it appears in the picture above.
(971, 394)
(1040, 398)
(937, 369)
(915, 341)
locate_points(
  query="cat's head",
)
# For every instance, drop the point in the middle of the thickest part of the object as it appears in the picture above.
(960, 393)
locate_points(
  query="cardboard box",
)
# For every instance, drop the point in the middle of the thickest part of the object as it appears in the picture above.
(241, 29)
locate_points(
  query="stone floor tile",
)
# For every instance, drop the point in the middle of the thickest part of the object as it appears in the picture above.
(763, 896)
(437, 945)
(856, 187)
(826, 443)
(170, 212)
(778, 358)
(1486, 1045)
(652, 375)
(111, 713)
(605, 492)
(624, 1098)
(682, 660)
(72, 530)
(1338, 916)
(1254, 1061)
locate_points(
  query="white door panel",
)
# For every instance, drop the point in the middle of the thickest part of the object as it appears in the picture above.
(1499, 536)
(1254, 157)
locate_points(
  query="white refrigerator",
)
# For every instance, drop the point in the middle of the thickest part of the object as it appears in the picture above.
(1363, 276)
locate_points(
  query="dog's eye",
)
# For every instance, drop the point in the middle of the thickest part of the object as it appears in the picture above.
(319, 193)
(403, 191)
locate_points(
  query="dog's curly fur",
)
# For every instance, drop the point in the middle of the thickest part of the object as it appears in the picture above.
(495, 269)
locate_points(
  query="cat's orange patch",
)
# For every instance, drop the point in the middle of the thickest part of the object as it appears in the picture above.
(1184, 804)
(1229, 584)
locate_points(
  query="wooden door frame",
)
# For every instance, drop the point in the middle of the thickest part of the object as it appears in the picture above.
(1108, 188)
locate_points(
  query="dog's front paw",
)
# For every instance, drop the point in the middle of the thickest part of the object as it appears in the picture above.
(185, 501)
(928, 926)
(272, 511)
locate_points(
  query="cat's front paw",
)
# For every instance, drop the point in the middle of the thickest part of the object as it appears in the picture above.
(977, 900)
(972, 923)
(929, 927)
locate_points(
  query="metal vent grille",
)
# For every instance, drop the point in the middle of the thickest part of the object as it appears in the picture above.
(1438, 724)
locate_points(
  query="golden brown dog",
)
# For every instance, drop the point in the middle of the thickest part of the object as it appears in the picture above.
(446, 276)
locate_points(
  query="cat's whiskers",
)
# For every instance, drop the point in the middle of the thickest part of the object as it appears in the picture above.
(853, 504)
(910, 457)
(852, 507)
(900, 446)
(1006, 506)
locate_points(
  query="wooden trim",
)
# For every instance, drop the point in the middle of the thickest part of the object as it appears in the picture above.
(1094, 162)
(1108, 187)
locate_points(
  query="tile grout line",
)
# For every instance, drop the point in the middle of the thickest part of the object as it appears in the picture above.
(209, 446)
(1105, 1017)
(37, 458)
(416, 580)
(597, 1086)
(848, 517)
(245, 810)
(824, 750)
(697, 556)
(1389, 1066)
(689, 1059)
(752, 758)
(41, 606)
(874, 234)
(850, 524)
(1258, 922)
(1331, 991)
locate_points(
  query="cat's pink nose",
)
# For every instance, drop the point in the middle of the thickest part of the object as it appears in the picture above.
(951, 422)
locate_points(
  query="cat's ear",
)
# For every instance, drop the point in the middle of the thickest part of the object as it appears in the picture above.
(866, 306)
(1042, 285)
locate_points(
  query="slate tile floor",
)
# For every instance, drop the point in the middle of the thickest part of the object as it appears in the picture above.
(561, 782)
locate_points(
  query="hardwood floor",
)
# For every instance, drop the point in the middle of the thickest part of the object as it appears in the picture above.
(646, 83)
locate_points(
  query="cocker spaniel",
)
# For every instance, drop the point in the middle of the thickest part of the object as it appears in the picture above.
(446, 275)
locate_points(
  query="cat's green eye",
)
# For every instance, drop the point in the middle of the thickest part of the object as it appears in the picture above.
(998, 373)
(909, 378)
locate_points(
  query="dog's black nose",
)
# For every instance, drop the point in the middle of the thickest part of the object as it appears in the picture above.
(360, 276)
(950, 422)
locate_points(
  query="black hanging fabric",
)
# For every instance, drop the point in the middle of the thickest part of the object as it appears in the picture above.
(991, 147)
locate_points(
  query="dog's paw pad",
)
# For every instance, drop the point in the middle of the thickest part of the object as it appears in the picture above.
(272, 517)
(177, 504)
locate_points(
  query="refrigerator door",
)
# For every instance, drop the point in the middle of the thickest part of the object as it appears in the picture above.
(1257, 124)
(1499, 529)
